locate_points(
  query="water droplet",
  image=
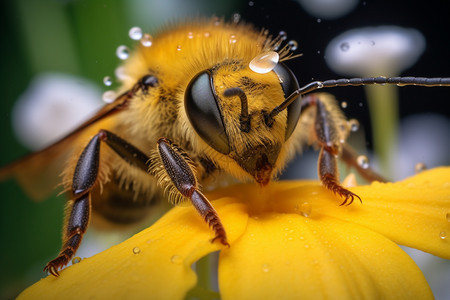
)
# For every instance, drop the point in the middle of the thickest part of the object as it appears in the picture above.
(447, 216)
(282, 35)
(251, 3)
(318, 51)
(353, 124)
(107, 80)
(266, 268)
(344, 104)
(120, 73)
(232, 39)
(443, 235)
(146, 40)
(179, 48)
(419, 167)
(319, 20)
(76, 260)
(305, 209)
(236, 18)
(136, 250)
(264, 62)
(344, 46)
(135, 33)
(207, 34)
(363, 161)
(190, 35)
(122, 52)
(109, 96)
(293, 45)
(176, 259)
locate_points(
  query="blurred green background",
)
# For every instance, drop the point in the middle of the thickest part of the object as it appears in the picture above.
(79, 37)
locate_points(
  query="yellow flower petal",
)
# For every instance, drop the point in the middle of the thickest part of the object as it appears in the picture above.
(156, 263)
(287, 256)
(298, 241)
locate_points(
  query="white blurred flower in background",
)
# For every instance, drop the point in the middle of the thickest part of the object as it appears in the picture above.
(52, 106)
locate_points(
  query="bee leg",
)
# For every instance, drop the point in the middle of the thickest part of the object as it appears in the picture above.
(326, 131)
(185, 181)
(350, 156)
(84, 178)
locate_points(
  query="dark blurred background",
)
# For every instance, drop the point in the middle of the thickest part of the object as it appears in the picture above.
(79, 37)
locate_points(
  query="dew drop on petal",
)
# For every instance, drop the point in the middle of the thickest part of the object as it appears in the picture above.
(178, 47)
(76, 260)
(146, 40)
(344, 46)
(264, 62)
(107, 80)
(190, 35)
(353, 124)
(363, 161)
(109, 96)
(135, 33)
(293, 45)
(265, 268)
(443, 235)
(122, 52)
(305, 209)
(136, 250)
(176, 259)
(419, 167)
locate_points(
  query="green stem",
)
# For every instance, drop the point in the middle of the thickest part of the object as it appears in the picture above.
(383, 107)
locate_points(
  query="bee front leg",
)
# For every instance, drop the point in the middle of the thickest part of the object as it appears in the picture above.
(184, 179)
(85, 176)
(328, 137)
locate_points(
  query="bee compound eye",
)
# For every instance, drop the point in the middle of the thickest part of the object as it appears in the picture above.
(289, 84)
(204, 113)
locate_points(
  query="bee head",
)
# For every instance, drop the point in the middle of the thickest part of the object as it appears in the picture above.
(228, 107)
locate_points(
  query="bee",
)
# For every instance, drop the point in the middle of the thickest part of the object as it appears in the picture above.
(208, 101)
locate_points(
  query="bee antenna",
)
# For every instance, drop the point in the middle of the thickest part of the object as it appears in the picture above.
(244, 118)
(315, 85)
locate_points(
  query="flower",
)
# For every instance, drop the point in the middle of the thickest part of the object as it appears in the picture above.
(288, 240)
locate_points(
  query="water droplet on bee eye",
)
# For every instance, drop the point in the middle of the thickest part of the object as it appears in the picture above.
(265, 268)
(354, 125)
(146, 40)
(136, 250)
(176, 259)
(293, 45)
(76, 260)
(363, 161)
(419, 167)
(282, 35)
(109, 96)
(107, 80)
(135, 33)
(305, 209)
(344, 46)
(344, 104)
(264, 62)
(122, 52)
(443, 235)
